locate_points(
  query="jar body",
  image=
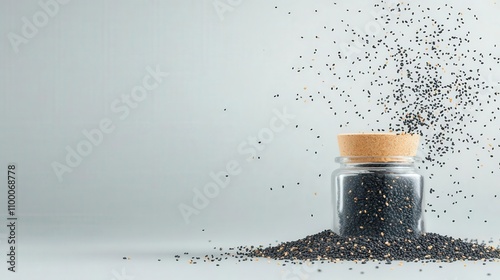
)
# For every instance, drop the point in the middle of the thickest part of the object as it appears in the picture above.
(377, 199)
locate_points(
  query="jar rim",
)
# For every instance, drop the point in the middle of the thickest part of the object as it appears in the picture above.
(376, 159)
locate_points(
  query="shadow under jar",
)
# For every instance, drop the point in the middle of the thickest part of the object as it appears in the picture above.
(377, 197)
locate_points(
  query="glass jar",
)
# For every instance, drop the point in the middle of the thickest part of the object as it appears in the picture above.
(377, 197)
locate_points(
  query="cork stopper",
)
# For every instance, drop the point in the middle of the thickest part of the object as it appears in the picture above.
(378, 145)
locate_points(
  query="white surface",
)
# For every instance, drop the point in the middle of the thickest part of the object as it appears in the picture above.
(105, 262)
(67, 259)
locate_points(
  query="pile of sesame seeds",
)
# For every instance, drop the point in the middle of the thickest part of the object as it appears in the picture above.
(429, 247)
(326, 246)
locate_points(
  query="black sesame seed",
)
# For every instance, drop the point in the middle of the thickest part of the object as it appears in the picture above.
(327, 245)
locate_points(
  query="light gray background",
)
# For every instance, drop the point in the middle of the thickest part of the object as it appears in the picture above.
(224, 71)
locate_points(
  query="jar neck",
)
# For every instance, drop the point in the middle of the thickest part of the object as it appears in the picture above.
(377, 161)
